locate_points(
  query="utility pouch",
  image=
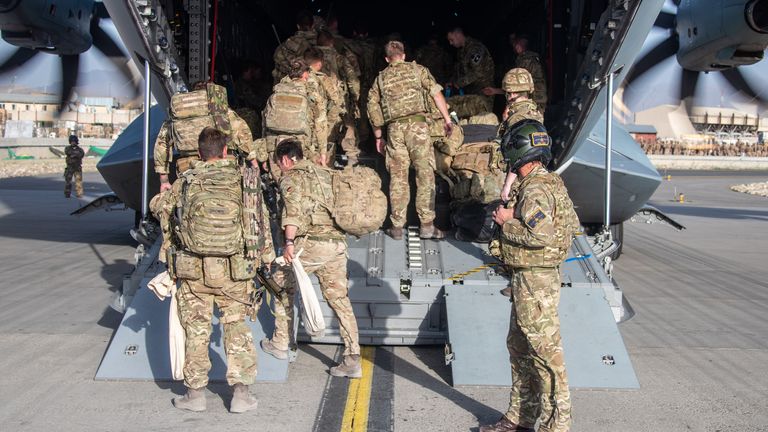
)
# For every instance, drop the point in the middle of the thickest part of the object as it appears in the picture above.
(242, 268)
(216, 271)
(187, 266)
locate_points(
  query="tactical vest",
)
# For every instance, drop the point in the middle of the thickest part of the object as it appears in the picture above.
(191, 112)
(401, 91)
(480, 169)
(287, 109)
(210, 213)
(565, 221)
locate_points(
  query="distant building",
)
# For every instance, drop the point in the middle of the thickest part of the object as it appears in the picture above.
(88, 116)
(641, 132)
(716, 124)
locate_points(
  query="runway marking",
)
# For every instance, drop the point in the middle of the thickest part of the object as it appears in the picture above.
(359, 395)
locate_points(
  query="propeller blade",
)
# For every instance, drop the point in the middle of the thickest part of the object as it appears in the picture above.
(688, 80)
(21, 56)
(70, 65)
(736, 80)
(665, 20)
(104, 43)
(659, 53)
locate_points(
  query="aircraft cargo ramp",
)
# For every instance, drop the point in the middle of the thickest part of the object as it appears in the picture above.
(417, 292)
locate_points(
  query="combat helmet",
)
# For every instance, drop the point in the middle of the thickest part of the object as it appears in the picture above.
(525, 141)
(517, 80)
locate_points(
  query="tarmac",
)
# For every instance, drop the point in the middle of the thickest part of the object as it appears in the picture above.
(698, 341)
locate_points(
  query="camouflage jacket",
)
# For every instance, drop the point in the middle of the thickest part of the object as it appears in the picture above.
(329, 88)
(409, 80)
(436, 59)
(339, 66)
(293, 48)
(74, 156)
(542, 229)
(242, 142)
(474, 67)
(530, 61)
(520, 110)
(164, 205)
(307, 193)
(365, 51)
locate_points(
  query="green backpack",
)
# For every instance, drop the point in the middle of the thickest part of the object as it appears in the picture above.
(210, 213)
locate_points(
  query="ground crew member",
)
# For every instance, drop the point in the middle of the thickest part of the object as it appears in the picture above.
(398, 100)
(209, 261)
(537, 226)
(74, 170)
(284, 110)
(293, 48)
(473, 71)
(530, 61)
(179, 134)
(306, 190)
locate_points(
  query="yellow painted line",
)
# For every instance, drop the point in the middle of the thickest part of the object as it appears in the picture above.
(359, 395)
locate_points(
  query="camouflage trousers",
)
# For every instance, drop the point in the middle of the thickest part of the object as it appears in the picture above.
(196, 313)
(410, 144)
(327, 259)
(76, 175)
(539, 381)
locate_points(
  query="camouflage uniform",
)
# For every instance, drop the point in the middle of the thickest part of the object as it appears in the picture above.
(408, 136)
(196, 297)
(473, 71)
(520, 110)
(251, 98)
(329, 88)
(293, 48)
(365, 51)
(435, 58)
(74, 170)
(241, 141)
(313, 144)
(306, 189)
(533, 245)
(530, 62)
(340, 66)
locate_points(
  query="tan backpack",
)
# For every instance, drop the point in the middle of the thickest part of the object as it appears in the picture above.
(287, 109)
(480, 170)
(193, 111)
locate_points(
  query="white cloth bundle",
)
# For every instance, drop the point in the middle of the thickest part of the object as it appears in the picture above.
(163, 286)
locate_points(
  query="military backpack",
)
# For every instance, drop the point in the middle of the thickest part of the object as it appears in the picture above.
(209, 216)
(287, 109)
(193, 111)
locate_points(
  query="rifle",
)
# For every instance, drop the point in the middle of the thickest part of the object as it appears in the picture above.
(271, 193)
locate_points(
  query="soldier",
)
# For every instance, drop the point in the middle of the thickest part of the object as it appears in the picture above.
(517, 85)
(296, 110)
(435, 58)
(473, 71)
(398, 100)
(330, 89)
(74, 169)
(529, 61)
(252, 90)
(337, 65)
(537, 227)
(365, 50)
(293, 48)
(308, 224)
(205, 106)
(209, 261)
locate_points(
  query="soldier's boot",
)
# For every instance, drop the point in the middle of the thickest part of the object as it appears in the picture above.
(430, 231)
(194, 400)
(349, 367)
(268, 347)
(507, 292)
(395, 232)
(505, 425)
(242, 400)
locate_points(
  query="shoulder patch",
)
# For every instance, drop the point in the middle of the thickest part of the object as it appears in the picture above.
(537, 217)
(540, 139)
(476, 57)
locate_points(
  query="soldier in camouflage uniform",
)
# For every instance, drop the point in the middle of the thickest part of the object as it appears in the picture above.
(208, 280)
(240, 139)
(517, 86)
(398, 100)
(530, 61)
(435, 58)
(306, 190)
(338, 65)
(314, 142)
(473, 71)
(330, 89)
(537, 227)
(293, 48)
(365, 50)
(74, 170)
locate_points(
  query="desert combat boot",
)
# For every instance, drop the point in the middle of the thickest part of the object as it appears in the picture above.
(430, 231)
(349, 367)
(242, 400)
(194, 400)
(505, 425)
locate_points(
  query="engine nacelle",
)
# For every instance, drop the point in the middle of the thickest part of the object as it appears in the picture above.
(59, 27)
(720, 34)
